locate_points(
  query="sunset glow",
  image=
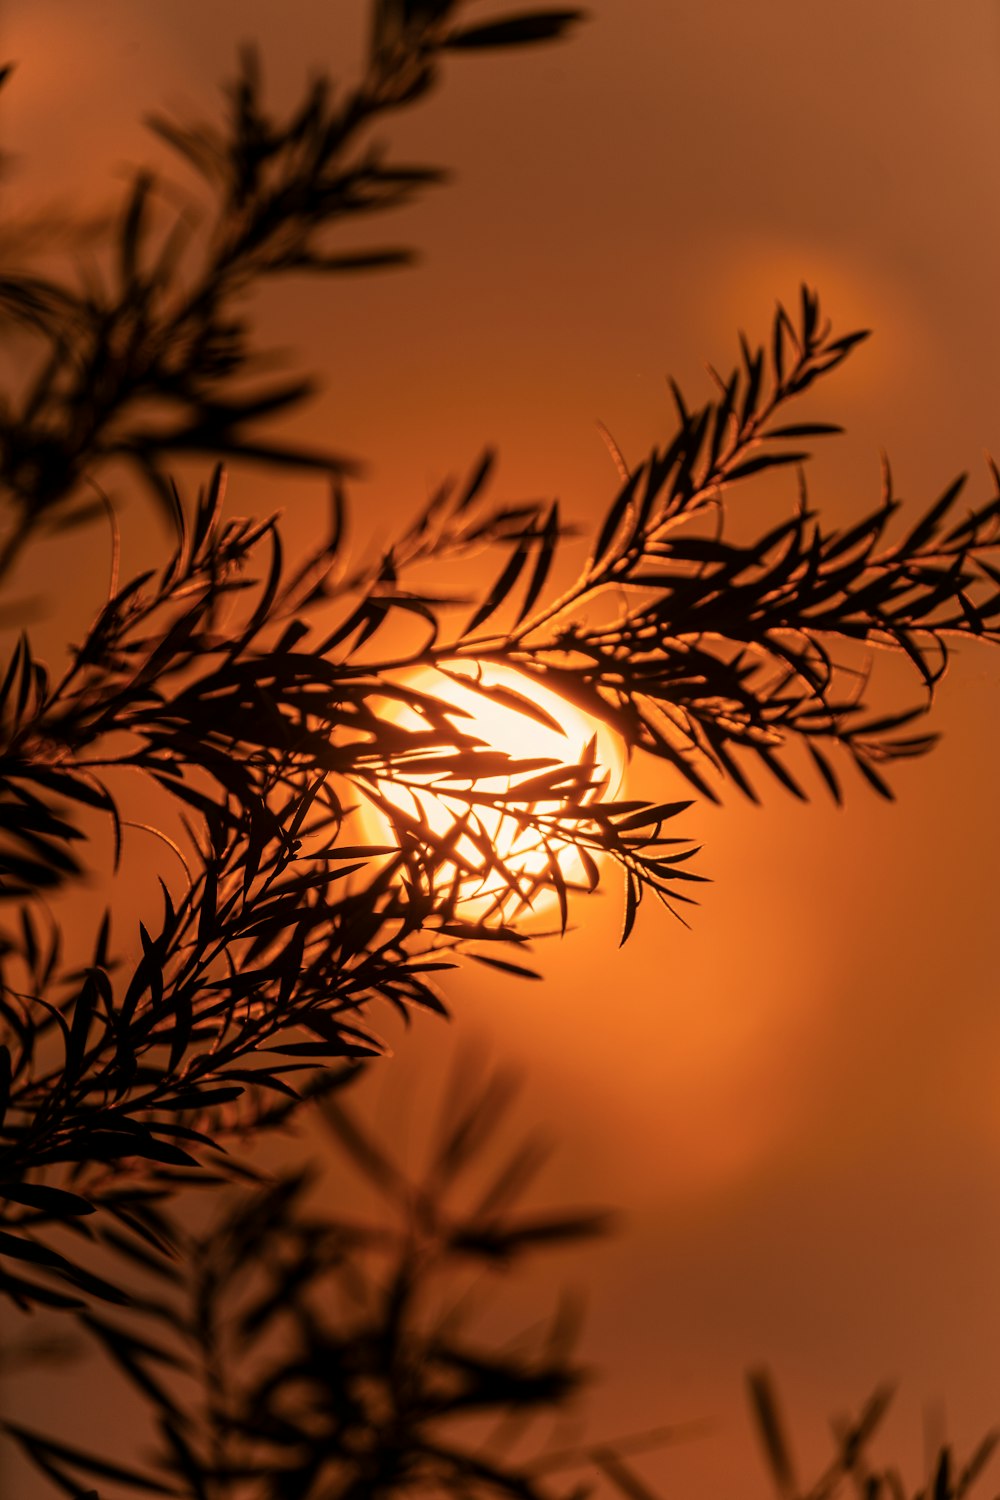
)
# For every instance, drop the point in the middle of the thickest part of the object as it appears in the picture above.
(491, 714)
(304, 1003)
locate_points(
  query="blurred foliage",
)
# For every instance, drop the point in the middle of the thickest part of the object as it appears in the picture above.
(294, 1350)
(853, 1470)
(261, 698)
(289, 1352)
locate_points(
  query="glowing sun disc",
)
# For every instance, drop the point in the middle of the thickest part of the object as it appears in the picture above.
(491, 715)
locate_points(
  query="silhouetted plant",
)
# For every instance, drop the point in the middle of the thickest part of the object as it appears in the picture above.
(258, 696)
(286, 1352)
(853, 1470)
(290, 1352)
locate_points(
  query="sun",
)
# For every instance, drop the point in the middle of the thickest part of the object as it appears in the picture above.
(509, 860)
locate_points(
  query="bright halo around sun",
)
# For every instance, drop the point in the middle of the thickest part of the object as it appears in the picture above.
(512, 715)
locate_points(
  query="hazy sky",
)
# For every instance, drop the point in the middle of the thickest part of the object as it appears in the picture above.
(797, 1100)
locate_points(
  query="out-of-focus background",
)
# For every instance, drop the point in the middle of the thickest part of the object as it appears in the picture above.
(796, 1102)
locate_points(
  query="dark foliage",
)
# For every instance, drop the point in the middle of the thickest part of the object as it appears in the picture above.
(268, 726)
(260, 698)
(148, 354)
(288, 1354)
(853, 1470)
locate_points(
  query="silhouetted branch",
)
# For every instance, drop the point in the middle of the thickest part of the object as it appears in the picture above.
(290, 1353)
(853, 1470)
(149, 357)
(278, 707)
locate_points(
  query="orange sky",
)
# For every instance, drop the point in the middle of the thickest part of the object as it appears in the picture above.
(796, 1101)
